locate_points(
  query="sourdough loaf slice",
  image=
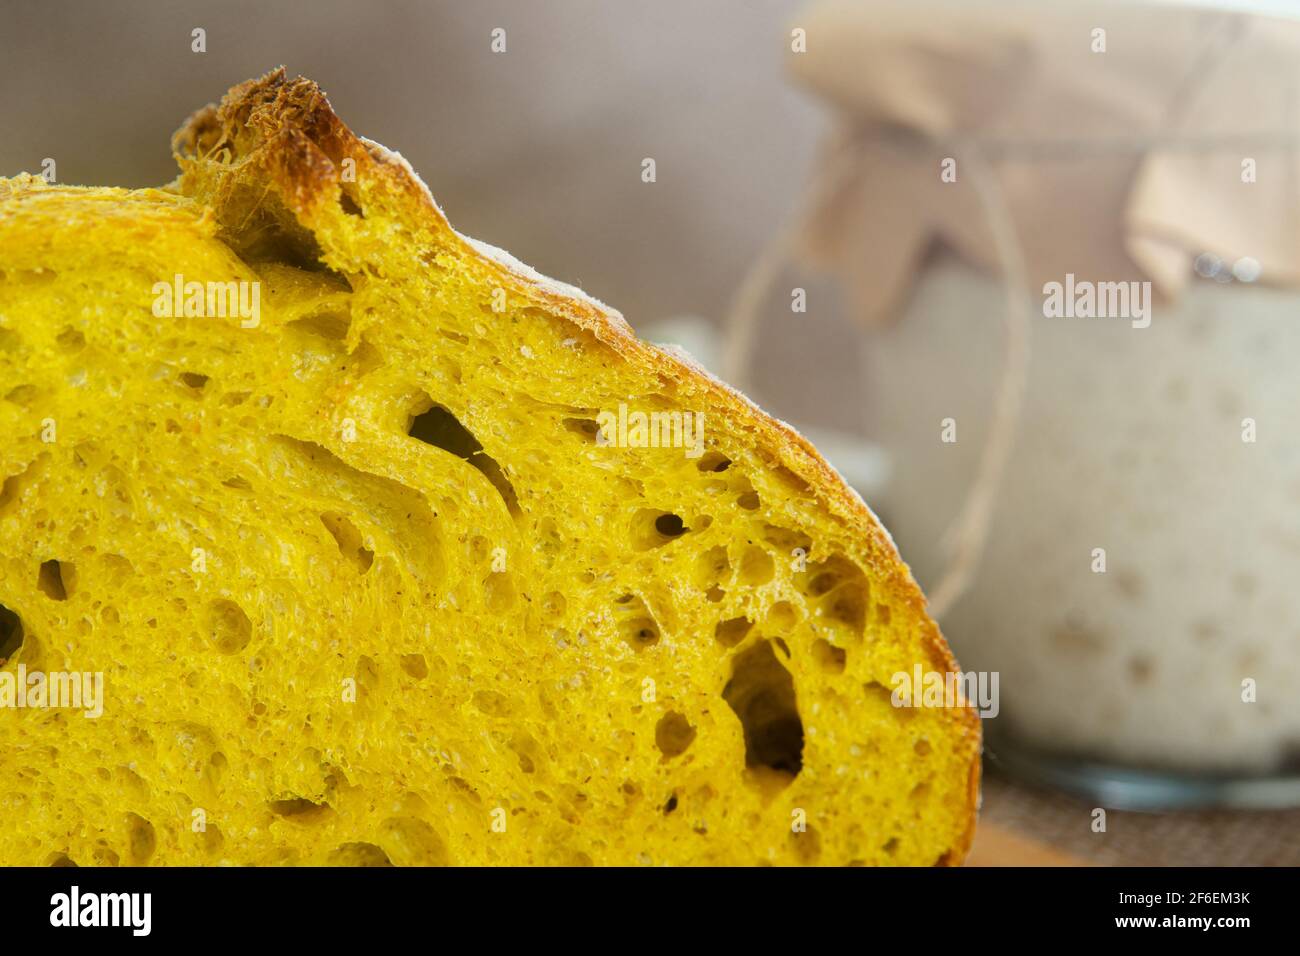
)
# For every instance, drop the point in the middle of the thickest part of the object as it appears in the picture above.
(359, 522)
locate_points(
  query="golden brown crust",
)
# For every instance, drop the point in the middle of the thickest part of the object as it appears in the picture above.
(283, 133)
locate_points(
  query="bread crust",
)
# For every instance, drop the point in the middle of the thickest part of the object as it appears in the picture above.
(280, 134)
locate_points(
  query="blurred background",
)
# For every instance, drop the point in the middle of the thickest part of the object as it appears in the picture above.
(855, 211)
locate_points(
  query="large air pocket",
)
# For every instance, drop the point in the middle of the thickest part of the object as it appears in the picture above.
(437, 426)
(761, 692)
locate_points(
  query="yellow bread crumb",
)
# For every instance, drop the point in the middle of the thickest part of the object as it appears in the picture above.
(366, 583)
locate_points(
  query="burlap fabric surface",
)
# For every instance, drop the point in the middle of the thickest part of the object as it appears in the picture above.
(1186, 838)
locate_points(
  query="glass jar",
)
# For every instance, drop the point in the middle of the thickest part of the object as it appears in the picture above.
(1137, 591)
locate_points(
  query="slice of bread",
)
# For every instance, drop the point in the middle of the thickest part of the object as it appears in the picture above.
(377, 563)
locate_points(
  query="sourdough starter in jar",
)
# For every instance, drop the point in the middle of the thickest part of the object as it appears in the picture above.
(1131, 441)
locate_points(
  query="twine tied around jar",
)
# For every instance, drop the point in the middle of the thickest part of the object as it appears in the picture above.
(965, 537)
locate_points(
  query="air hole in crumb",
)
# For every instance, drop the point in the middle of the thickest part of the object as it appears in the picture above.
(71, 340)
(830, 658)
(822, 583)
(24, 394)
(528, 750)
(415, 665)
(194, 380)
(849, 608)
(348, 538)
(61, 859)
(756, 567)
(141, 839)
(671, 805)
(359, 854)
(50, 581)
(642, 632)
(11, 634)
(212, 839)
(299, 809)
(712, 567)
(844, 591)
(787, 539)
(731, 632)
(673, 734)
(922, 747)
(785, 648)
(654, 529)
(584, 427)
(437, 426)
(749, 501)
(782, 616)
(349, 205)
(761, 694)
(332, 325)
(229, 628)
(713, 461)
(367, 673)
(670, 525)
(414, 842)
(791, 480)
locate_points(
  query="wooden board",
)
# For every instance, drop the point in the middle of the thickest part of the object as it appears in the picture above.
(995, 846)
